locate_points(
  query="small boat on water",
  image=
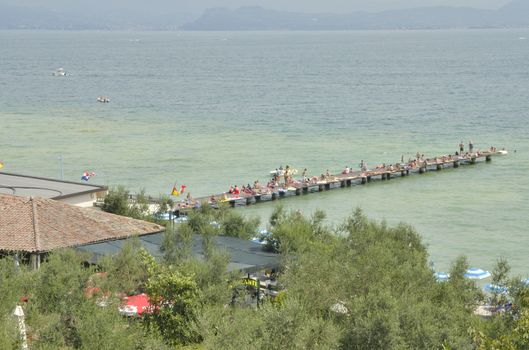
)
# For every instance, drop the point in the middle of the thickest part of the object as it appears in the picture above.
(103, 99)
(59, 72)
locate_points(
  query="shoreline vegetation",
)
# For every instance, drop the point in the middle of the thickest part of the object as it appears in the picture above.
(360, 285)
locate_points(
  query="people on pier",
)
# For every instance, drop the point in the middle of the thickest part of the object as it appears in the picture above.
(236, 190)
(347, 170)
(470, 146)
(189, 198)
(461, 147)
(363, 166)
(212, 199)
(304, 173)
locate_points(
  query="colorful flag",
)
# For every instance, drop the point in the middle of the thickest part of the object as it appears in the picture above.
(86, 175)
(175, 192)
(182, 188)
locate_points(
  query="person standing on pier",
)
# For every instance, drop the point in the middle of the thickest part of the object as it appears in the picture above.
(470, 146)
(363, 165)
(461, 147)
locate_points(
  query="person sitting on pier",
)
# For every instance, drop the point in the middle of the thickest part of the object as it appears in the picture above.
(236, 190)
(347, 170)
(231, 190)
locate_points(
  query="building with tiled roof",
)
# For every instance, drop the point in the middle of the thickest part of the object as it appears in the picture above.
(81, 194)
(34, 226)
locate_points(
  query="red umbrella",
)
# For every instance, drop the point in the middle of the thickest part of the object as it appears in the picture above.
(135, 305)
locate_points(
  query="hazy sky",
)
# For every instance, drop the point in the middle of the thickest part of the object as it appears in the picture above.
(336, 6)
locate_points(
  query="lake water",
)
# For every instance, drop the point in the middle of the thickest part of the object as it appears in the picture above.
(212, 109)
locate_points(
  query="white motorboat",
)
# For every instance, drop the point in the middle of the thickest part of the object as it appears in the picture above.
(59, 72)
(103, 99)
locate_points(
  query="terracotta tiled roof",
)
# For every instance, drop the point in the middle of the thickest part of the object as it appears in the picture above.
(40, 225)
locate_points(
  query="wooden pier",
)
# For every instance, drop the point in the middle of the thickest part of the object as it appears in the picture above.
(302, 188)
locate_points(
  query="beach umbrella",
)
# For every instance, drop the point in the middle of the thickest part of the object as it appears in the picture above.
(135, 305)
(441, 276)
(477, 274)
(494, 288)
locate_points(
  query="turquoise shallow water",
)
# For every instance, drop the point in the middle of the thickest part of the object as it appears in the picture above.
(214, 109)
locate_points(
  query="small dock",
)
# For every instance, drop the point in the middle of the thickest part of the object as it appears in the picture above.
(353, 178)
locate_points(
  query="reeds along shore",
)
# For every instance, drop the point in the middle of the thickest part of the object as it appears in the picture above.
(283, 183)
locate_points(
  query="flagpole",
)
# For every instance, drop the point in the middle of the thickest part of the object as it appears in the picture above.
(61, 168)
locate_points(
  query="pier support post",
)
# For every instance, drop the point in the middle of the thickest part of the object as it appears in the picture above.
(488, 158)
(456, 164)
(402, 173)
(306, 189)
(320, 188)
(364, 180)
(473, 160)
(274, 196)
(383, 177)
(388, 176)
(407, 172)
(422, 170)
(369, 179)
(342, 183)
(298, 191)
(348, 182)
(327, 187)
(439, 167)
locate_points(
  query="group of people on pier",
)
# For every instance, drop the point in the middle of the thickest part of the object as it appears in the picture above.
(284, 178)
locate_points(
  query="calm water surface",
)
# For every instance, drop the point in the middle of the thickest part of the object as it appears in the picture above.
(214, 109)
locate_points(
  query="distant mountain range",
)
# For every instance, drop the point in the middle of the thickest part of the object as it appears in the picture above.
(514, 14)
(15, 15)
(96, 15)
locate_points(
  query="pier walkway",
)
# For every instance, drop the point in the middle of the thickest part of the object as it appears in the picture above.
(324, 183)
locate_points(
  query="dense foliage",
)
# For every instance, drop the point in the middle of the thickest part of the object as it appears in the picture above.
(361, 285)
